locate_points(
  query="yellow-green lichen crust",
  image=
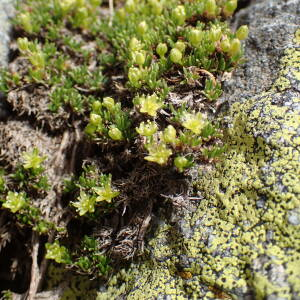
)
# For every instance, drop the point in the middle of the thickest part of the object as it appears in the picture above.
(245, 233)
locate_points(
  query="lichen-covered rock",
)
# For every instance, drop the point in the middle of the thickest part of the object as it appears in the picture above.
(272, 25)
(243, 239)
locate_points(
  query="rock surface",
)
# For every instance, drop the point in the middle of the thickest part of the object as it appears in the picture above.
(242, 241)
(272, 25)
(6, 12)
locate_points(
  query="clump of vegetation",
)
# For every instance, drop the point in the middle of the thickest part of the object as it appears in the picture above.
(17, 188)
(118, 80)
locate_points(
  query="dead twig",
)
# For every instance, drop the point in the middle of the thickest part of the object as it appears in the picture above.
(144, 226)
(203, 71)
(44, 264)
(35, 272)
(59, 157)
(111, 11)
(78, 136)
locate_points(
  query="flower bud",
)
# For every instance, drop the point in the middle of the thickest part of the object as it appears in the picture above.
(235, 47)
(121, 14)
(139, 58)
(169, 134)
(82, 17)
(215, 34)
(25, 22)
(142, 28)
(181, 163)
(134, 75)
(109, 103)
(195, 37)
(242, 32)
(130, 6)
(95, 119)
(23, 44)
(96, 106)
(180, 46)
(229, 8)
(225, 45)
(210, 7)
(115, 134)
(175, 56)
(178, 15)
(161, 49)
(37, 59)
(135, 44)
(156, 7)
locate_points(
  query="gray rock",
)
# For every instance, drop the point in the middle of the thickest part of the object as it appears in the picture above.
(272, 25)
(6, 13)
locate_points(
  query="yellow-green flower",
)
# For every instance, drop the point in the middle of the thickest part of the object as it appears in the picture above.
(158, 153)
(147, 129)
(105, 193)
(32, 160)
(14, 201)
(193, 122)
(85, 203)
(150, 105)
